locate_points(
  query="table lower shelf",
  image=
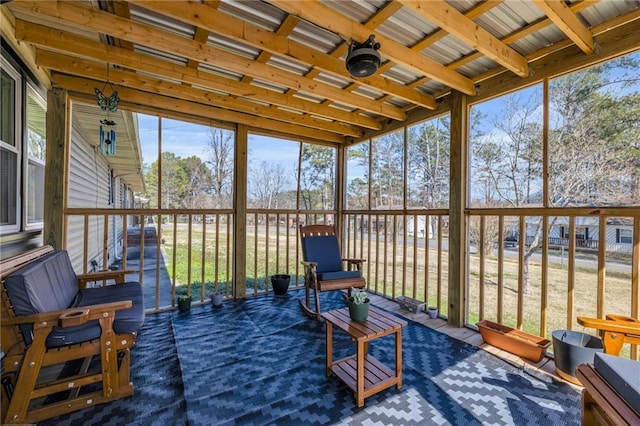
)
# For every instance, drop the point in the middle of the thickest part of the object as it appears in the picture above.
(377, 376)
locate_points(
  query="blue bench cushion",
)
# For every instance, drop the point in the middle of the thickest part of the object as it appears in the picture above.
(324, 250)
(622, 374)
(50, 284)
(338, 275)
(126, 321)
(46, 284)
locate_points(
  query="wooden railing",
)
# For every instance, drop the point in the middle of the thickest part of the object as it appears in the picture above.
(397, 247)
(537, 290)
(273, 245)
(167, 249)
(540, 285)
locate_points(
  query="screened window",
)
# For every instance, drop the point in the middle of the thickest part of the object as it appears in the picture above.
(428, 163)
(10, 84)
(36, 149)
(594, 135)
(506, 151)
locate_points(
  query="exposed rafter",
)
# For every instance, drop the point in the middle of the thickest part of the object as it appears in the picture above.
(81, 14)
(84, 48)
(282, 62)
(133, 96)
(203, 16)
(455, 23)
(324, 16)
(569, 23)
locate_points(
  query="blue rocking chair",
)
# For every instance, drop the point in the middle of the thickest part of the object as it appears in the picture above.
(323, 266)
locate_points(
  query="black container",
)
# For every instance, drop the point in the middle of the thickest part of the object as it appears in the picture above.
(572, 348)
(280, 284)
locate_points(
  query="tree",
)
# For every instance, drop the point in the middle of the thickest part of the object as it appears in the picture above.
(317, 177)
(428, 173)
(220, 160)
(198, 181)
(267, 182)
(589, 161)
(387, 180)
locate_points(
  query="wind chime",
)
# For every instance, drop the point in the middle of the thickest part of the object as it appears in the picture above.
(107, 126)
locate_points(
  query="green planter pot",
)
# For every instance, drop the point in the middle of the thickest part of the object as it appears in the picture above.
(184, 304)
(358, 313)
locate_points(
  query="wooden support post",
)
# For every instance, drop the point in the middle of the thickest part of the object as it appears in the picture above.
(457, 197)
(240, 207)
(341, 171)
(56, 170)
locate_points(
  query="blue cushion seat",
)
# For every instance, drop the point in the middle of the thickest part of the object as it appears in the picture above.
(622, 374)
(50, 284)
(338, 275)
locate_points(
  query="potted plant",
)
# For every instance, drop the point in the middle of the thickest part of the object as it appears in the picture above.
(358, 305)
(184, 303)
(432, 311)
(216, 299)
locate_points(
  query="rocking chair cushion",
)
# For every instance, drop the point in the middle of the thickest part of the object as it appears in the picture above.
(338, 275)
(323, 250)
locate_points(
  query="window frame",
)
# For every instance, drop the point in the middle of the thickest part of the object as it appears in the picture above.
(19, 145)
(27, 158)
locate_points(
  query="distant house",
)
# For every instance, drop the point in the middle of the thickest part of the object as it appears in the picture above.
(619, 234)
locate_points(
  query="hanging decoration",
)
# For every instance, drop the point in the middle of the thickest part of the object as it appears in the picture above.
(107, 126)
(108, 137)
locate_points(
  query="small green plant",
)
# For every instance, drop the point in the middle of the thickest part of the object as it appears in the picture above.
(358, 296)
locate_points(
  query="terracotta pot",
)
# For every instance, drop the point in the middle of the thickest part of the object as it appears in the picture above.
(521, 343)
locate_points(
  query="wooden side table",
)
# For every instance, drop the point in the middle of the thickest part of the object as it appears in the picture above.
(364, 374)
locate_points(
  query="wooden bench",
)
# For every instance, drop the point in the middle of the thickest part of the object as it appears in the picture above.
(601, 404)
(53, 328)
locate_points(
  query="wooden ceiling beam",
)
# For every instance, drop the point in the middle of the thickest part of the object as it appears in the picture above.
(464, 29)
(474, 12)
(560, 14)
(98, 71)
(62, 41)
(322, 15)
(133, 96)
(203, 16)
(147, 35)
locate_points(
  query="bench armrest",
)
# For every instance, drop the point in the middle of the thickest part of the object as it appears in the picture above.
(70, 316)
(309, 264)
(118, 276)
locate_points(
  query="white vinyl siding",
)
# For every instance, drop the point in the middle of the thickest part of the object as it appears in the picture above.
(88, 187)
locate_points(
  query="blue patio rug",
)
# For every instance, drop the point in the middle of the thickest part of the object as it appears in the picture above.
(260, 361)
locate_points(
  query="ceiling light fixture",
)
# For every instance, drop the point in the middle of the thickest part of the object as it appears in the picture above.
(363, 59)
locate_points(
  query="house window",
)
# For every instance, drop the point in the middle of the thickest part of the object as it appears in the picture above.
(36, 151)
(624, 236)
(10, 91)
(22, 154)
